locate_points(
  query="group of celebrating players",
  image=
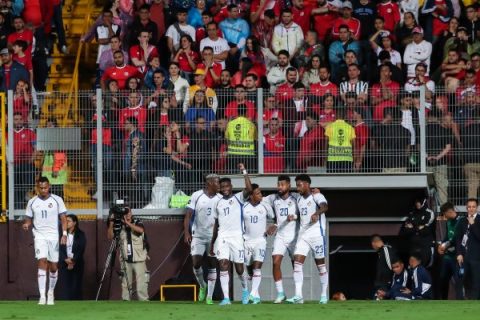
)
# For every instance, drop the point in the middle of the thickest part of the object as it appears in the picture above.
(226, 227)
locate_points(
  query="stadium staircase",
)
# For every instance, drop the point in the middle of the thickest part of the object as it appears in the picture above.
(64, 102)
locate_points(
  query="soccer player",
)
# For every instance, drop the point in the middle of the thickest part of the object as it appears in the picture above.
(312, 208)
(255, 213)
(227, 240)
(284, 204)
(45, 209)
(198, 228)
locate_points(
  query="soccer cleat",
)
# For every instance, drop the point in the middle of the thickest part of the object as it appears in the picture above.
(280, 298)
(295, 300)
(245, 297)
(50, 299)
(43, 300)
(225, 302)
(323, 300)
(255, 300)
(202, 293)
(209, 301)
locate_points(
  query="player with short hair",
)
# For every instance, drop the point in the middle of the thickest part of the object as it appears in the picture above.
(198, 227)
(284, 204)
(312, 208)
(44, 210)
(227, 240)
(256, 212)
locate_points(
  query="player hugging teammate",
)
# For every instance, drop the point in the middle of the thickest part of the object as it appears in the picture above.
(232, 228)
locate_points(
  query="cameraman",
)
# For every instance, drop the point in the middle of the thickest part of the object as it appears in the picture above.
(133, 253)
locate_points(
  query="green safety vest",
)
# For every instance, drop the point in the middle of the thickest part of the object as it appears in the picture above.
(240, 135)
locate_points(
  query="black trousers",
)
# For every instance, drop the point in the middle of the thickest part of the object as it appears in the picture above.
(471, 279)
(71, 287)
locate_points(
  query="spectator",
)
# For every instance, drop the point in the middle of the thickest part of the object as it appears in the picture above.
(19, 48)
(262, 58)
(259, 10)
(187, 58)
(287, 35)
(155, 78)
(467, 235)
(354, 84)
(459, 42)
(277, 74)
(195, 14)
(472, 24)
(310, 146)
(158, 16)
(5, 27)
(106, 58)
(274, 148)
(71, 261)
(470, 133)
(201, 32)
(417, 231)
(311, 47)
(384, 94)
(421, 79)
(225, 92)
(346, 19)
(324, 17)
(386, 255)
(436, 14)
(421, 281)
(404, 33)
(386, 41)
(341, 137)
(327, 113)
(21, 33)
(212, 69)
(135, 110)
(219, 45)
(452, 71)
(211, 96)
(142, 52)
(446, 119)
(312, 72)
(199, 108)
(240, 101)
(263, 29)
(220, 10)
(11, 71)
(22, 100)
(235, 31)
(120, 72)
(418, 51)
(302, 14)
(55, 166)
(245, 67)
(180, 87)
(298, 105)
(286, 91)
(408, 6)
(337, 50)
(240, 136)
(178, 149)
(176, 30)
(270, 111)
(365, 11)
(201, 149)
(390, 12)
(105, 32)
(400, 282)
(446, 249)
(143, 23)
(324, 86)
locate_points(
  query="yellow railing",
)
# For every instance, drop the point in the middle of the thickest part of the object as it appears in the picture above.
(72, 100)
(3, 153)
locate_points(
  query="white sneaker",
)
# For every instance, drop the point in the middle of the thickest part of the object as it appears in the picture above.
(51, 299)
(43, 300)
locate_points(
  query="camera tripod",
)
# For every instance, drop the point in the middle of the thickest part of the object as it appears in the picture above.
(110, 262)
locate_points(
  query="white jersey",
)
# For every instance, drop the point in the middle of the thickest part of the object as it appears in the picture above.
(284, 208)
(255, 218)
(203, 208)
(45, 213)
(307, 206)
(229, 212)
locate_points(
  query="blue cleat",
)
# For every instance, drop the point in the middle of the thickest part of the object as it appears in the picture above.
(245, 296)
(225, 302)
(295, 300)
(323, 300)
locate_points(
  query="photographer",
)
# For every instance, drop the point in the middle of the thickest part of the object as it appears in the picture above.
(133, 251)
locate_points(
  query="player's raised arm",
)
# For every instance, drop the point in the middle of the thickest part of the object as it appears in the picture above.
(248, 184)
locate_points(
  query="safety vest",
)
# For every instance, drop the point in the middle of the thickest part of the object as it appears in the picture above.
(340, 137)
(240, 135)
(55, 161)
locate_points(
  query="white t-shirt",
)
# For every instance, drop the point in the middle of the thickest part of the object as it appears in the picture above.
(307, 206)
(395, 56)
(284, 208)
(45, 213)
(175, 36)
(229, 212)
(220, 45)
(255, 219)
(203, 208)
(102, 34)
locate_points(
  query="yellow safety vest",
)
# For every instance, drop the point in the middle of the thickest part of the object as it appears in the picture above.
(55, 161)
(241, 134)
(340, 137)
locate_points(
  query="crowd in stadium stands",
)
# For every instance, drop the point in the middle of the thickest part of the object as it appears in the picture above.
(341, 84)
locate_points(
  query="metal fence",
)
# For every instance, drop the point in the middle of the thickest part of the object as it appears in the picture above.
(154, 143)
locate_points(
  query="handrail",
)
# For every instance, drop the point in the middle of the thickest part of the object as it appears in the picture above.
(3, 153)
(73, 91)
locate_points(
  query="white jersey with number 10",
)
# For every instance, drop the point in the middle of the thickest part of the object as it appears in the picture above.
(256, 219)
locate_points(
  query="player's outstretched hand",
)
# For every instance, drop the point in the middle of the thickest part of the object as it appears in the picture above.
(187, 238)
(314, 218)
(272, 229)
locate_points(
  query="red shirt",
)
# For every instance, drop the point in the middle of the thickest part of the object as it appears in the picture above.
(139, 113)
(121, 74)
(362, 132)
(25, 61)
(217, 68)
(376, 92)
(322, 23)
(327, 117)
(201, 34)
(255, 6)
(302, 17)
(284, 92)
(19, 105)
(320, 90)
(164, 121)
(352, 23)
(184, 140)
(231, 111)
(221, 15)
(390, 12)
(106, 137)
(183, 61)
(25, 35)
(23, 145)
(137, 52)
(310, 149)
(274, 148)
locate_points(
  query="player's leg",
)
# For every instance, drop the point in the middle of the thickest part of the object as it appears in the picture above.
(248, 271)
(41, 254)
(53, 255)
(224, 266)
(197, 250)
(212, 273)
(279, 249)
(301, 251)
(259, 256)
(318, 250)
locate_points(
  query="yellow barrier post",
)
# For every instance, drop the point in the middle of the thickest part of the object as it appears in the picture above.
(178, 286)
(3, 154)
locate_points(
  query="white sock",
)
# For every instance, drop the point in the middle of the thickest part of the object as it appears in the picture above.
(256, 279)
(212, 279)
(298, 278)
(42, 281)
(279, 286)
(322, 270)
(243, 280)
(224, 280)
(52, 281)
(199, 276)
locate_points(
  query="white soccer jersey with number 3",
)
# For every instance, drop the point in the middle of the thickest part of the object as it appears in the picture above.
(203, 207)
(44, 214)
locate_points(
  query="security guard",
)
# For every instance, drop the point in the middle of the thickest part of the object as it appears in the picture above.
(241, 134)
(340, 136)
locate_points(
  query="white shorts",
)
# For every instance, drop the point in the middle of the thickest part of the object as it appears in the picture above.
(255, 250)
(282, 245)
(200, 246)
(230, 248)
(46, 249)
(305, 244)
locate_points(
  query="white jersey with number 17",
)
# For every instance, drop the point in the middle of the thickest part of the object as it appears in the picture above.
(229, 212)
(45, 213)
(308, 206)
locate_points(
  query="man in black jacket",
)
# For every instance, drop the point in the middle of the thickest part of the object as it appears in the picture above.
(467, 235)
(386, 254)
(11, 72)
